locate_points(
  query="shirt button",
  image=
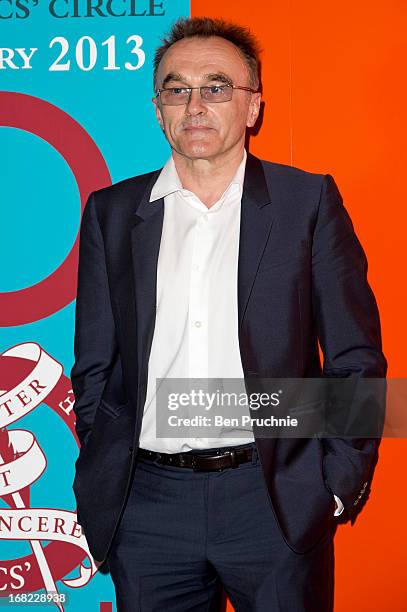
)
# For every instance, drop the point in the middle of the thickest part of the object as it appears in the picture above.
(198, 324)
(195, 267)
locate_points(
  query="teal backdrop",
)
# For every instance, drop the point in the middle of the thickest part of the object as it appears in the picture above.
(75, 115)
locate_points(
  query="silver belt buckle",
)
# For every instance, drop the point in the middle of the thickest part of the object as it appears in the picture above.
(219, 454)
(198, 469)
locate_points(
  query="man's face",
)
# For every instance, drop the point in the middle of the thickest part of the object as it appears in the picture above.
(202, 130)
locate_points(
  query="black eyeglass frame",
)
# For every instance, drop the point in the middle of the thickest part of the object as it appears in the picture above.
(232, 87)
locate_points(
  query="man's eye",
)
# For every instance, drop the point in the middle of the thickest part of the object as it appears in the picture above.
(216, 89)
(179, 90)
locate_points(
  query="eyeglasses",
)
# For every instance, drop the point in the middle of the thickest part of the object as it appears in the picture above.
(174, 96)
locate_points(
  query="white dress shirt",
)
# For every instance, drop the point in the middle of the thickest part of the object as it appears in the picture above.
(196, 327)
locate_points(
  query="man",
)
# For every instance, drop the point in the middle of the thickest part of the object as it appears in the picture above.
(218, 266)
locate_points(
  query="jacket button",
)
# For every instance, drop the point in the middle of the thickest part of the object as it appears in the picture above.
(130, 449)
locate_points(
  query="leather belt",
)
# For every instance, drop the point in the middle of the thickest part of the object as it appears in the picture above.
(218, 460)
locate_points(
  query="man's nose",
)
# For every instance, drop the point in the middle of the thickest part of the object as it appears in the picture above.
(195, 105)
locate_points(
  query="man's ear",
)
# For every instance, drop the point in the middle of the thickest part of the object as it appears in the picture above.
(158, 113)
(254, 109)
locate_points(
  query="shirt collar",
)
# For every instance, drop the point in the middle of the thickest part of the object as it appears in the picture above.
(169, 182)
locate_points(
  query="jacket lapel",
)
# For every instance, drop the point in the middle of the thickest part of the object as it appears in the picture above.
(256, 221)
(145, 246)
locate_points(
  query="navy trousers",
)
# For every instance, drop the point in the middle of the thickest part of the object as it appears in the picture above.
(185, 536)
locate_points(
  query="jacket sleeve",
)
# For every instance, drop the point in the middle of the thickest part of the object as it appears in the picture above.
(348, 326)
(95, 343)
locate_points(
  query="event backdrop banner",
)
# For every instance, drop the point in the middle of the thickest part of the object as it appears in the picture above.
(75, 115)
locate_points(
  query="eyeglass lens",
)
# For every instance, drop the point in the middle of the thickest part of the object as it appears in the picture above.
(180, 95)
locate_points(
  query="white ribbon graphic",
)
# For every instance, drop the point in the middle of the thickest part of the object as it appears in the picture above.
(29, 463)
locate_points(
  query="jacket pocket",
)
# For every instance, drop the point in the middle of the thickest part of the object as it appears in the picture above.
(112, 411)
(284, 255)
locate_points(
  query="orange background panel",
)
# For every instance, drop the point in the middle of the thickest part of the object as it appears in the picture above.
(335, 98)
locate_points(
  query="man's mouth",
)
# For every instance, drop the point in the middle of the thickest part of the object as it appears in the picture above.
(197, 127)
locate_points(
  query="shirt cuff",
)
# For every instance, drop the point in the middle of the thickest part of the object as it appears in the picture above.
(340, 507)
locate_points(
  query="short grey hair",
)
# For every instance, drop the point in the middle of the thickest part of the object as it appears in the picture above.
(204, 27)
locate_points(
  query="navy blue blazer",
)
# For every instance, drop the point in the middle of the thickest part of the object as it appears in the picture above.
(302, 277)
